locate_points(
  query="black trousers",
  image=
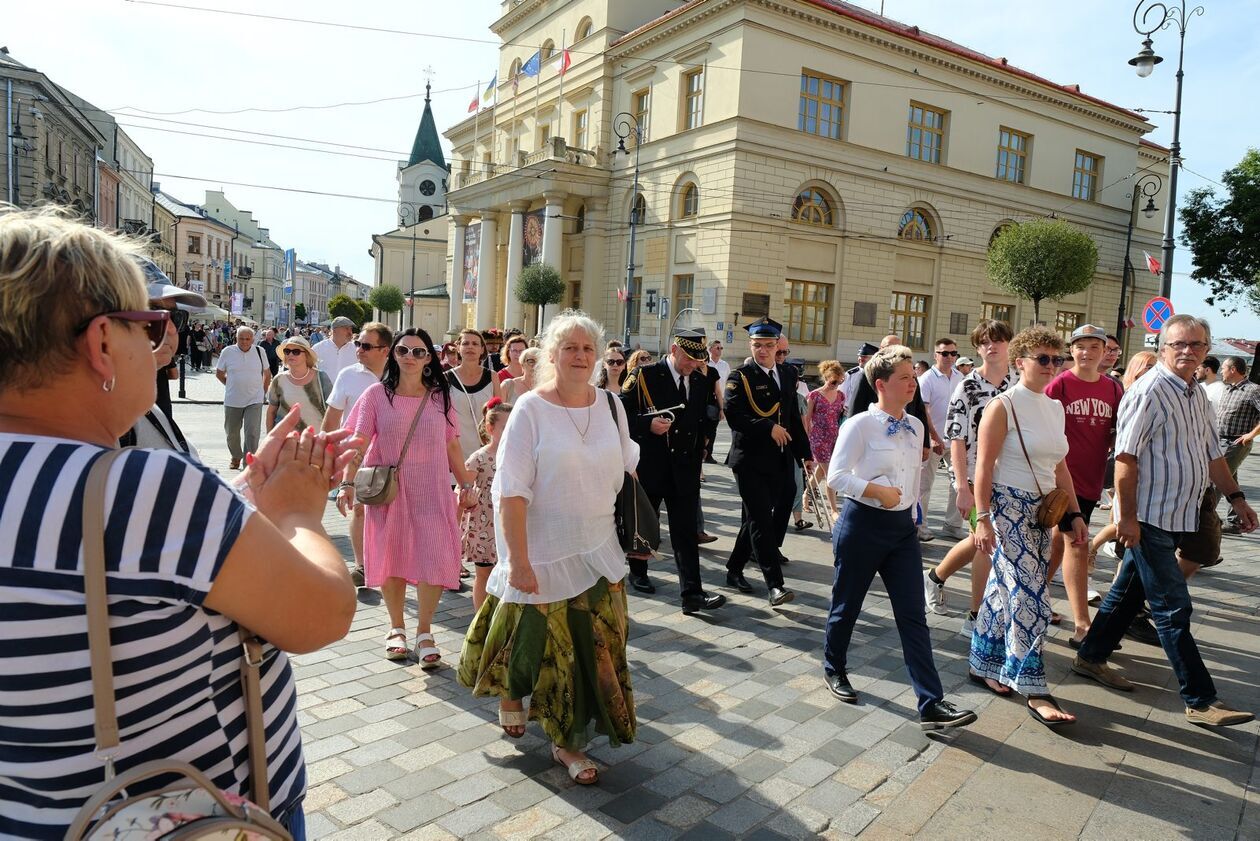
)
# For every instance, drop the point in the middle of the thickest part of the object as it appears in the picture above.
(679, 489)
(767, 506)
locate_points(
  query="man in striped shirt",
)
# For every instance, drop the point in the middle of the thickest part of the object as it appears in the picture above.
(1167, 452)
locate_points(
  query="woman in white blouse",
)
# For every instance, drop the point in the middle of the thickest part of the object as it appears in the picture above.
(554, 624)
(1012, 478)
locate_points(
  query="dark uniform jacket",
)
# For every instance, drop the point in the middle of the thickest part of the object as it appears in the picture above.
(654, 387)
(754, 404)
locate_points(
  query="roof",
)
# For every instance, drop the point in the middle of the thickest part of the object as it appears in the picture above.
(913, 33)
(438, 291)
(178, 209)
(427, 146)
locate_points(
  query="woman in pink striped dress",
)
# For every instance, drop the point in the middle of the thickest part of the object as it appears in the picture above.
(414, 539)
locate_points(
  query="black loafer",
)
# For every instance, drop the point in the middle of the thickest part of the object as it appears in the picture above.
(703, 538)
(739, 582)
(784, 561)
(841, 688)
(780, 595)
(642, 584)
(703, 601)
(942, 715)
(1141, 630)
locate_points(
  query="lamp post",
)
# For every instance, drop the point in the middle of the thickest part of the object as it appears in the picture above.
(1147, 185)
(407, 211)
(627, 125)
(1149, 17)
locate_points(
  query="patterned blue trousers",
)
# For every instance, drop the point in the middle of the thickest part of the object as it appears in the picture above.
(1011, 623)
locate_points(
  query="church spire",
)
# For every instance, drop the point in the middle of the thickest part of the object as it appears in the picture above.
(427, 146)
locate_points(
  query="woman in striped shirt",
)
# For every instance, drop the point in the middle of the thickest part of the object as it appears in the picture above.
(186, 555)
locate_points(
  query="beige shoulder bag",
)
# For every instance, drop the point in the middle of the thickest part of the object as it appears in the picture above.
(379, 485)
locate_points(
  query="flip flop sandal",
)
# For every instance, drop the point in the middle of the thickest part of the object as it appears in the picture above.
(396, 651)
(1048, 722)
(423, 652)
(984, 684)
(513, 718)
(577, 769)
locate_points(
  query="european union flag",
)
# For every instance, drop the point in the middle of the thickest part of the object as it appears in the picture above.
(531, 67)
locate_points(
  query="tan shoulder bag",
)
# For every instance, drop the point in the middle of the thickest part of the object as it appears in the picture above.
(379, 485)
(1053, 504)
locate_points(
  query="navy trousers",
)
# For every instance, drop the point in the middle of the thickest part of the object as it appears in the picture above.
(867, 541)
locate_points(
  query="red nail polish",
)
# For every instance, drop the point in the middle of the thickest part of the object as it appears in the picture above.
(249, 458)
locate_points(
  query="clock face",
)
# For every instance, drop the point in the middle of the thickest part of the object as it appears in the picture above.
(427, 187)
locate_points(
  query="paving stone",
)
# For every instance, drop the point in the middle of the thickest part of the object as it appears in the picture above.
(855, 818)
(754, 708)
(415, 812)
(370, 777)
(375, 752)
(633, 805)
(376, 731)
(319, 825)
(367, 831)
(362, 806)
(323, 748)
(808, 771)
(672, 782)
(838, 752)
(328, 769)
(469, 819)
(740, 815)
(420, 783)
(580, 828)
(684, 811)
(519, 796)
(471, 789)
(526, 824)
(757, 768)
(705, 831)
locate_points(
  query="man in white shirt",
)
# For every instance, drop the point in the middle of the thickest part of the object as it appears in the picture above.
(337, 351)
(1208, 375)
(937, 386)
(717, 362)
(875, 465)
(372, 350)
(243, 370)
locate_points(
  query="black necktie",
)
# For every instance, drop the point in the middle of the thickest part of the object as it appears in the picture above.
(682, 386)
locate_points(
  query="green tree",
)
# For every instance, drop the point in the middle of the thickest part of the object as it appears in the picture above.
(299, 311)
(365, 312)
(540, 285)
(1044, 258)
(342, 304)
(1224, 234)
(386, 298)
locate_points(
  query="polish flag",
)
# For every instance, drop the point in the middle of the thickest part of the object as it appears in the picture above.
(621, 294)
(472, 106)
(565, 61)
(1152, 264)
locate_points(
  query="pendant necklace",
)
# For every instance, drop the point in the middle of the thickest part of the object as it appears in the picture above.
(582, 433)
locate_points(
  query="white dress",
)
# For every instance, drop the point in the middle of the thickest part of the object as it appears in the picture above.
(570, 487)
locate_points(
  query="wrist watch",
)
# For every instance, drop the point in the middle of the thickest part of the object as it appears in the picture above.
(465, 486)
(1235, 496)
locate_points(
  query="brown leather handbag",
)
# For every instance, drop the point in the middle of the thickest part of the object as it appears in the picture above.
(1053, 504)
(378, 485)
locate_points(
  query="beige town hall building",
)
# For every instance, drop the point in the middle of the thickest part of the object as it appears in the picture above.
(807, 159)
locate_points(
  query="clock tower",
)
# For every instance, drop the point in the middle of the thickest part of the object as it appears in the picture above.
(422, 180)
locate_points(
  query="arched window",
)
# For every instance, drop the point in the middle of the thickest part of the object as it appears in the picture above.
(916, 225)
(583, 30)
(997, 232)
(426, 213)
(812, 207)
(689, 201)
(516, 69)
(548, 49)
(580, 225)
(638, 211)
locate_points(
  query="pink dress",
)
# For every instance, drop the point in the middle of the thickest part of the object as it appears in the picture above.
(826, 424)
(416, 537)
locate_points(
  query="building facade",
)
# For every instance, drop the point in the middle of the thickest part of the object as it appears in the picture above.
(849, 191)
(203, 247)
(135, 187)
(311, 285)
(258, 260)
(163, 236)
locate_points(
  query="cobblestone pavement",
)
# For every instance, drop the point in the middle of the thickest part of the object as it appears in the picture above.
(738, 737)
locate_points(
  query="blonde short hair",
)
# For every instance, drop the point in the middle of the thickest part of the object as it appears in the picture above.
(56, 274)
(560, 328)
(885, 361)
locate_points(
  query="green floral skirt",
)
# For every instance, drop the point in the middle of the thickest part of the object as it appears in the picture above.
(569, 657)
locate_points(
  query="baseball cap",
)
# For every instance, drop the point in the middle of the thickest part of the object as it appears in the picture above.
(160, 287)
(965, 360)
(1088, 331)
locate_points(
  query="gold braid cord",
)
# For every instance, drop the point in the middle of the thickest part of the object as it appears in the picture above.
(774, 410)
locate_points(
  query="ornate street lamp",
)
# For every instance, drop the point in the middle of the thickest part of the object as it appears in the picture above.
(1149, 17)
(626, 125)
(407, 218)
(1147, 186)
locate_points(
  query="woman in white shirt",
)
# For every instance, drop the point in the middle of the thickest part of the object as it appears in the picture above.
(472, 386)
(301, 383)
(1012, 478)
(554, 624)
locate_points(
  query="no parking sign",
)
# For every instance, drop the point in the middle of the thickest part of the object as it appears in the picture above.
(1156, 314)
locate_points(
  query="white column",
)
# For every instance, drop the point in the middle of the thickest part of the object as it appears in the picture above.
(596, 291)
(512, 316)
(455, 286)
(487, 272)
(553, 239)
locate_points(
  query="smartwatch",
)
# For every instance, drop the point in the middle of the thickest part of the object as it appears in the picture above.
(1236, 495)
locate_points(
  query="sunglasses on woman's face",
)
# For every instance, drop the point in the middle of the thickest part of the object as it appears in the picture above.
(294, 351)
(417, 352)
(154, 322)
(614, 363)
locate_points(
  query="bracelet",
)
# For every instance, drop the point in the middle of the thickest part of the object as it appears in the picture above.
(983, 515)
(1236, 495)
(465, 486)
(346, 485)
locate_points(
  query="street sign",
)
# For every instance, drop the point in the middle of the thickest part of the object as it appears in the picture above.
(1156, 313)
(1150, 340)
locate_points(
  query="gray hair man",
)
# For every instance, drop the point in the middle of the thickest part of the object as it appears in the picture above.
(244, 372)
(1237, 421)
(1167, 453)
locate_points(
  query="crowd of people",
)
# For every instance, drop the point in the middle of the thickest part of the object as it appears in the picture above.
(502, 458)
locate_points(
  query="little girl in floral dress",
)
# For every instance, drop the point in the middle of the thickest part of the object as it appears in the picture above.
(478, 543)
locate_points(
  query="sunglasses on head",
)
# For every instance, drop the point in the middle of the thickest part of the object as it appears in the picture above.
(1045, 359)
(294, 351)
(417, 352)
(154, 322)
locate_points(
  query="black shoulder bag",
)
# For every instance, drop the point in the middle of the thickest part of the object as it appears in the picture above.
(638, 527)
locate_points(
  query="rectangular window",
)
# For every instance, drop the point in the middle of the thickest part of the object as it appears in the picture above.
(807, 311)
(925, 134)
(194, 244)
(1012, 155)
(684, 293)
(693, 99)
(579, 129)
(1085, 176)
(1066, 322)
(641, 106)
(908, 319)
(998, 312)
(822, 105)
(544, 134)
(959, 323)
(632, 303)
(575, 294)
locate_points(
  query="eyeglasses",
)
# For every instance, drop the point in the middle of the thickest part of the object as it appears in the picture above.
(1045, 359)
(779, 353)
(294, 351)
(613, 363)
(369, 346)
(154, 322)
(947, 353)
(1181, 347)
(417, 352)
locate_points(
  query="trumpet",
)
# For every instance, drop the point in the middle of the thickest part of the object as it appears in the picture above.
(666, 414)
(816, 491)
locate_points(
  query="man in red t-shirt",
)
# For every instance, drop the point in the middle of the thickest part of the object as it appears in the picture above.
(1090, 401)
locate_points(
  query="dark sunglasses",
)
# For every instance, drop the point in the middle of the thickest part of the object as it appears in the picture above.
(418, 352)
(179, 318)
(154, 322)
(294, 351)
(1044, 360)
(614, 362)
(947, 353)
(369, 346)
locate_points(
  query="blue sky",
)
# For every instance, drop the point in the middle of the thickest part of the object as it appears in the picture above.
(160, 59)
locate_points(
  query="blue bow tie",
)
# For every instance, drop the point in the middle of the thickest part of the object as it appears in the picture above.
(896, 425)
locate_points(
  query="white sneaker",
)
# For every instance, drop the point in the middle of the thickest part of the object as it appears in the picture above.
(925, 534)
(934, 595)
(1109, 549)
(968, 626)
(956, 532)
(1093, 597)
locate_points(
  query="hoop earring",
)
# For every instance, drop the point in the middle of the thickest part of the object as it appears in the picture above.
(109, 386)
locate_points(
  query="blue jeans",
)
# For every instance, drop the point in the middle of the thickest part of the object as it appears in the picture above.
(295, 822)
(1149, 572)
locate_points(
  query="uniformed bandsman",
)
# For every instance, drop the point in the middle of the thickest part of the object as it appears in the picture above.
(670, 453)
(768, 443)
(854, 375)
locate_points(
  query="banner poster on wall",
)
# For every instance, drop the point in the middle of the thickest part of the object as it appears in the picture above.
(472, 257)
(533, 238)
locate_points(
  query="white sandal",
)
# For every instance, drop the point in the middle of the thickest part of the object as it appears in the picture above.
(513, 718)
(577, 768)
(430, 650)
(396, 652)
